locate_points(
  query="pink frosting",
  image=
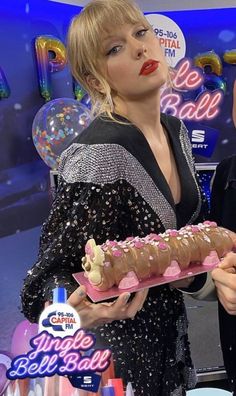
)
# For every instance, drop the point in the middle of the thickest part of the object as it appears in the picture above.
(172, 270)
(130, 280)
(212, 260)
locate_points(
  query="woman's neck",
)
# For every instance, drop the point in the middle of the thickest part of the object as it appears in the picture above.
(144, 114)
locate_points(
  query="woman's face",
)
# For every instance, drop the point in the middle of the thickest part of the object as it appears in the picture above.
(133, 62)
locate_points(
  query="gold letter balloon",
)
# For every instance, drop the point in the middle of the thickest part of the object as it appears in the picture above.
(46, 64)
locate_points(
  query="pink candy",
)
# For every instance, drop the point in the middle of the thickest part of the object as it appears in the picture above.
(138, 244)
(173, 233)
(210, 223)
(116, 253)
(162, 246)
(154, 237)
(111, 243)
(195, 229)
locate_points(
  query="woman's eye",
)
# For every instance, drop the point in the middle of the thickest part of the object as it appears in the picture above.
(141, 32)
(114, 50)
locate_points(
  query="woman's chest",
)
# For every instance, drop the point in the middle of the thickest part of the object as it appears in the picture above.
(166, 161)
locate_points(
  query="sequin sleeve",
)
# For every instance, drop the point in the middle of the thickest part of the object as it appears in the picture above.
(80, 211)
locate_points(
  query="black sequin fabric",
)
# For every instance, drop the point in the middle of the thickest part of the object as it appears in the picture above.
(110, 187)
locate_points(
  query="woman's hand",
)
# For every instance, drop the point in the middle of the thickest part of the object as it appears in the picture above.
(93, 315)
(225, 281)
(233, 237)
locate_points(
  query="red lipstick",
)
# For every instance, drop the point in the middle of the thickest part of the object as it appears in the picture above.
(149, 67)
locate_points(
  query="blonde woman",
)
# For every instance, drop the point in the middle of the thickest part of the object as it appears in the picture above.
(129, 173)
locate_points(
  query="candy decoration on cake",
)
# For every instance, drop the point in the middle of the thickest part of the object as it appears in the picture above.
(126, 263)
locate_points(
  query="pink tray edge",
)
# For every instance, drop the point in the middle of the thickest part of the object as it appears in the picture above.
(96, 296)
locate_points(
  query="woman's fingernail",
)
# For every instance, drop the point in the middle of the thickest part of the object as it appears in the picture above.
(127, 296)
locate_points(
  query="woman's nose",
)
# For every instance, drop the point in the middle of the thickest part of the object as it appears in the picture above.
(140, 52)
(138, 49)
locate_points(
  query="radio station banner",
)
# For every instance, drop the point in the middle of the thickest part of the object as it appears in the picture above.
(200, 47)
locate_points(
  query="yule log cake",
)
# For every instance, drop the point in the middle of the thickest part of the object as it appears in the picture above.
(126, 263)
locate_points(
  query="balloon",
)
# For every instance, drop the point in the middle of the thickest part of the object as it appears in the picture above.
(5, 364)
(86, 100)
(56, 125)
(22, 335)
(211, 59)
(81, 95)
(78, 91)
(4, 87)
(212, 82)
(46, 65)
(230, 57)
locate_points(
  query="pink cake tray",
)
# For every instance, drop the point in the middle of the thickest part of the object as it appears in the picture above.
(96, 296)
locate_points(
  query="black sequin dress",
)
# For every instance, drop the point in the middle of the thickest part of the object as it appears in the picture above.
(111, 187)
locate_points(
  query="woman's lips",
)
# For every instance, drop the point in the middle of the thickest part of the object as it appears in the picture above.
(149, 67)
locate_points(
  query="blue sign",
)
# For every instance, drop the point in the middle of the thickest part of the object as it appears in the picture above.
(203, 138)
(88, 381)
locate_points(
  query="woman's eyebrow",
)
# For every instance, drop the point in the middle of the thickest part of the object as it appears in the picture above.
(110, 37)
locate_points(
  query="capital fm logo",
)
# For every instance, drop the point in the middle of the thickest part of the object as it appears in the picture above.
(59, 321)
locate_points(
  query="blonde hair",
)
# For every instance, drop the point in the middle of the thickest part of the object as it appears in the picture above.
(84, 45)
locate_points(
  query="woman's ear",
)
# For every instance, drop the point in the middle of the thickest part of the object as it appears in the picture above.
(94, 83)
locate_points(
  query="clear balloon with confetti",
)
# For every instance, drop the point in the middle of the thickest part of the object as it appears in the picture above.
(56, 125)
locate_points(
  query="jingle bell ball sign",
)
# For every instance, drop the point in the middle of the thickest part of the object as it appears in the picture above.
(193, 96)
